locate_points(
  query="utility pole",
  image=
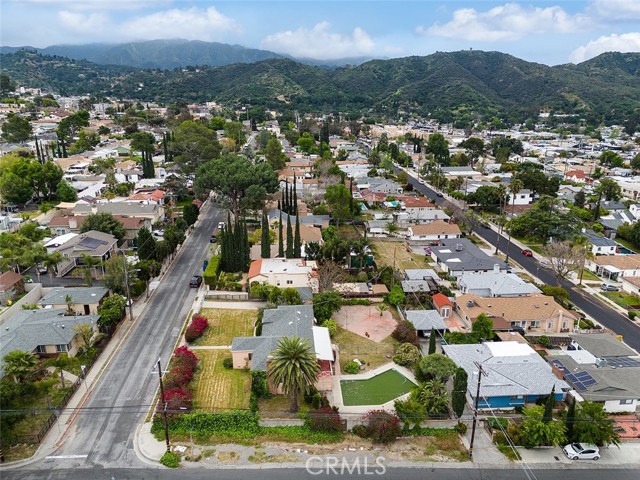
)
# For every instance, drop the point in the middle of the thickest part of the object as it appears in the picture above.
(481, 372)
(126, 286)
(164, 408)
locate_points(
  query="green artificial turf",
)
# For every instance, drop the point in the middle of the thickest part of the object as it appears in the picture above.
(377, 390)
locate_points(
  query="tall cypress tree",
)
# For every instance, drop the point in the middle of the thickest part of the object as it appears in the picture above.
(289, 251)
(458, 396)
(265, 245)
(246, 248)
(285, 198)
(38, 152)
(351, 196)
(165, 148)
(280, 239)
(295, 197)
(291, 207)
(571, 420)
(548, 406)
(297, 243)
(432, 341)
(279, 205)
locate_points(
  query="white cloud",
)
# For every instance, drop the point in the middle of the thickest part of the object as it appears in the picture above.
(191, 24)
(320, 43)
(506, 22)
(626, 42)
(95, 4)
(92, 23)
(618, 9)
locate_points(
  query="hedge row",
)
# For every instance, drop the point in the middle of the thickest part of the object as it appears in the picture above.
(240, 423)
(211, 273)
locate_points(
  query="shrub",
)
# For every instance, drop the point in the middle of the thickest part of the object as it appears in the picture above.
(632, 314)
(170, 460)
(210, 275)
(360, 431)
(405, 332)
(331, 326)
(325, 419)
(407, 355)
(137, 288)
(382, 426)
(227, 362)
(497, 423)
(195, 329)
(545, 341)
(178, 398)
(177, 378)
(184, 358)
(352, 367)
(316, 400)
(396, 296)
(461, 428)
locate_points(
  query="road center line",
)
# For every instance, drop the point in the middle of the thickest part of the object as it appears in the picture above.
(61, 457)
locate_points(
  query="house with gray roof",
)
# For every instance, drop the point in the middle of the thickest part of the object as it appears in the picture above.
(515, 374)
(153, 212)
(457, 256)
(82, 300)
(600, 245)
(44, 332)
(425, 320)
(285, 321)
(97, 245)
(495, 284)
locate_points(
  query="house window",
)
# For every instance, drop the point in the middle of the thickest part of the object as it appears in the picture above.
(60, 231)
(250, 356)
(535, 324)
(41, 349)
(517, 397)
(61, 348)
(626, 402)
(550, 324)
(289, 282)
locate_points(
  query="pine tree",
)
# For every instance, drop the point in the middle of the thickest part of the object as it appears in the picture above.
(289, 251)
(432, 341)
(297, 243)
(280, 239)
(265, 245)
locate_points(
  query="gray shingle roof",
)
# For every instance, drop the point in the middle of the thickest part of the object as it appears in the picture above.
(425, 319)
(284, 321)
(602, 345)
(506, 375)
(79, 295)
(469, 257)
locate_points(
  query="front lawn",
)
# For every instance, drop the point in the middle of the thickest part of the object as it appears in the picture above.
(377, 390)
(371, 354)
(217, 388)
(224, 324)
(622, 299)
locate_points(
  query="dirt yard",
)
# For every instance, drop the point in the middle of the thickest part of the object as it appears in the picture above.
(366, 321)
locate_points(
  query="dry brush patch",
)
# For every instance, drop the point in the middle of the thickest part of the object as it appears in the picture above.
(372, 354)
(224, 324)
(216, 387)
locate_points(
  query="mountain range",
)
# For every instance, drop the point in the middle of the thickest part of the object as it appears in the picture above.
(169, 54)
(445, 85)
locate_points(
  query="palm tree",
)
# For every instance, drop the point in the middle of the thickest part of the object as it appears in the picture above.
(18, 364)
(69, 301)
(514, 187)
(381, 308)
(293, 366)
(89, 263)
(392, 228)
(51, 261)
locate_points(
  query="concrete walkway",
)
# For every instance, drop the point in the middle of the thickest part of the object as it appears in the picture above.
(234, 304)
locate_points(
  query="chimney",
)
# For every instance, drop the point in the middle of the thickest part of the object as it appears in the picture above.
(496, 268)
(73, 223)
(94, 209)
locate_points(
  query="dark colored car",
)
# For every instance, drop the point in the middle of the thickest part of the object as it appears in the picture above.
(196, 281)
(213, 239)
(527, 253)
(439, 194)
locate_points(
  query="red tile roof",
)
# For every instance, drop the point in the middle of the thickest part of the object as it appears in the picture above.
(440, 300)
(255, 268)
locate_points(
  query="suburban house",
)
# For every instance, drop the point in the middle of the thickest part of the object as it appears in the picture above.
(534, 313)
(155, 213)
(615, 267)
(442, 304)
(425, 216)
(600, 245)
(416, 208)
(82, 300)
(576, 176)
(284, 272)
(425, 320)
(515, 374)
(379, 185)
(286, 321)
(602, 369)
(631, 284)
(420, 280)
(495, 284)
(458, 255)
(320, 221)
(523, 197)
(11, 284)
(45, 332)
(98, 245)
(434, 231)
(64, 224)
(153, 197)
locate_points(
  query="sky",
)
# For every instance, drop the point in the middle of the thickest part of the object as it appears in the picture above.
(544, 31)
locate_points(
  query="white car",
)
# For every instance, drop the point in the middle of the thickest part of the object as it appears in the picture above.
(581, 451)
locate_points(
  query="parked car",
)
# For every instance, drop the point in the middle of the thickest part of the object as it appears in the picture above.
(196, 281)
(42, 269)
(439, 194)
(422, 182)
(213, 239)
(527, 253)
(581, 451)
(607, 287)
(220, 225)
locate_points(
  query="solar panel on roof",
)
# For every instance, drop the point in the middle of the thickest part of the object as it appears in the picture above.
(581, 380)
(623, 362)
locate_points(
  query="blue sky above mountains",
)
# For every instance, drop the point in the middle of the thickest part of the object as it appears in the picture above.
(550, 32)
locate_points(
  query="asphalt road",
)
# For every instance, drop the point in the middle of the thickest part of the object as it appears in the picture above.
(297, 474)
(593, 307)
(103, 429)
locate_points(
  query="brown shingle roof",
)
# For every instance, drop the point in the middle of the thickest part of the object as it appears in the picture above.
(436, 228)
(623, 262)
(534, 307)
(8, 280)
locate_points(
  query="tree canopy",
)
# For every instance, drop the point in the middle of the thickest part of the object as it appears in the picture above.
(16, 129)
(192, 145)
(104, 222)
